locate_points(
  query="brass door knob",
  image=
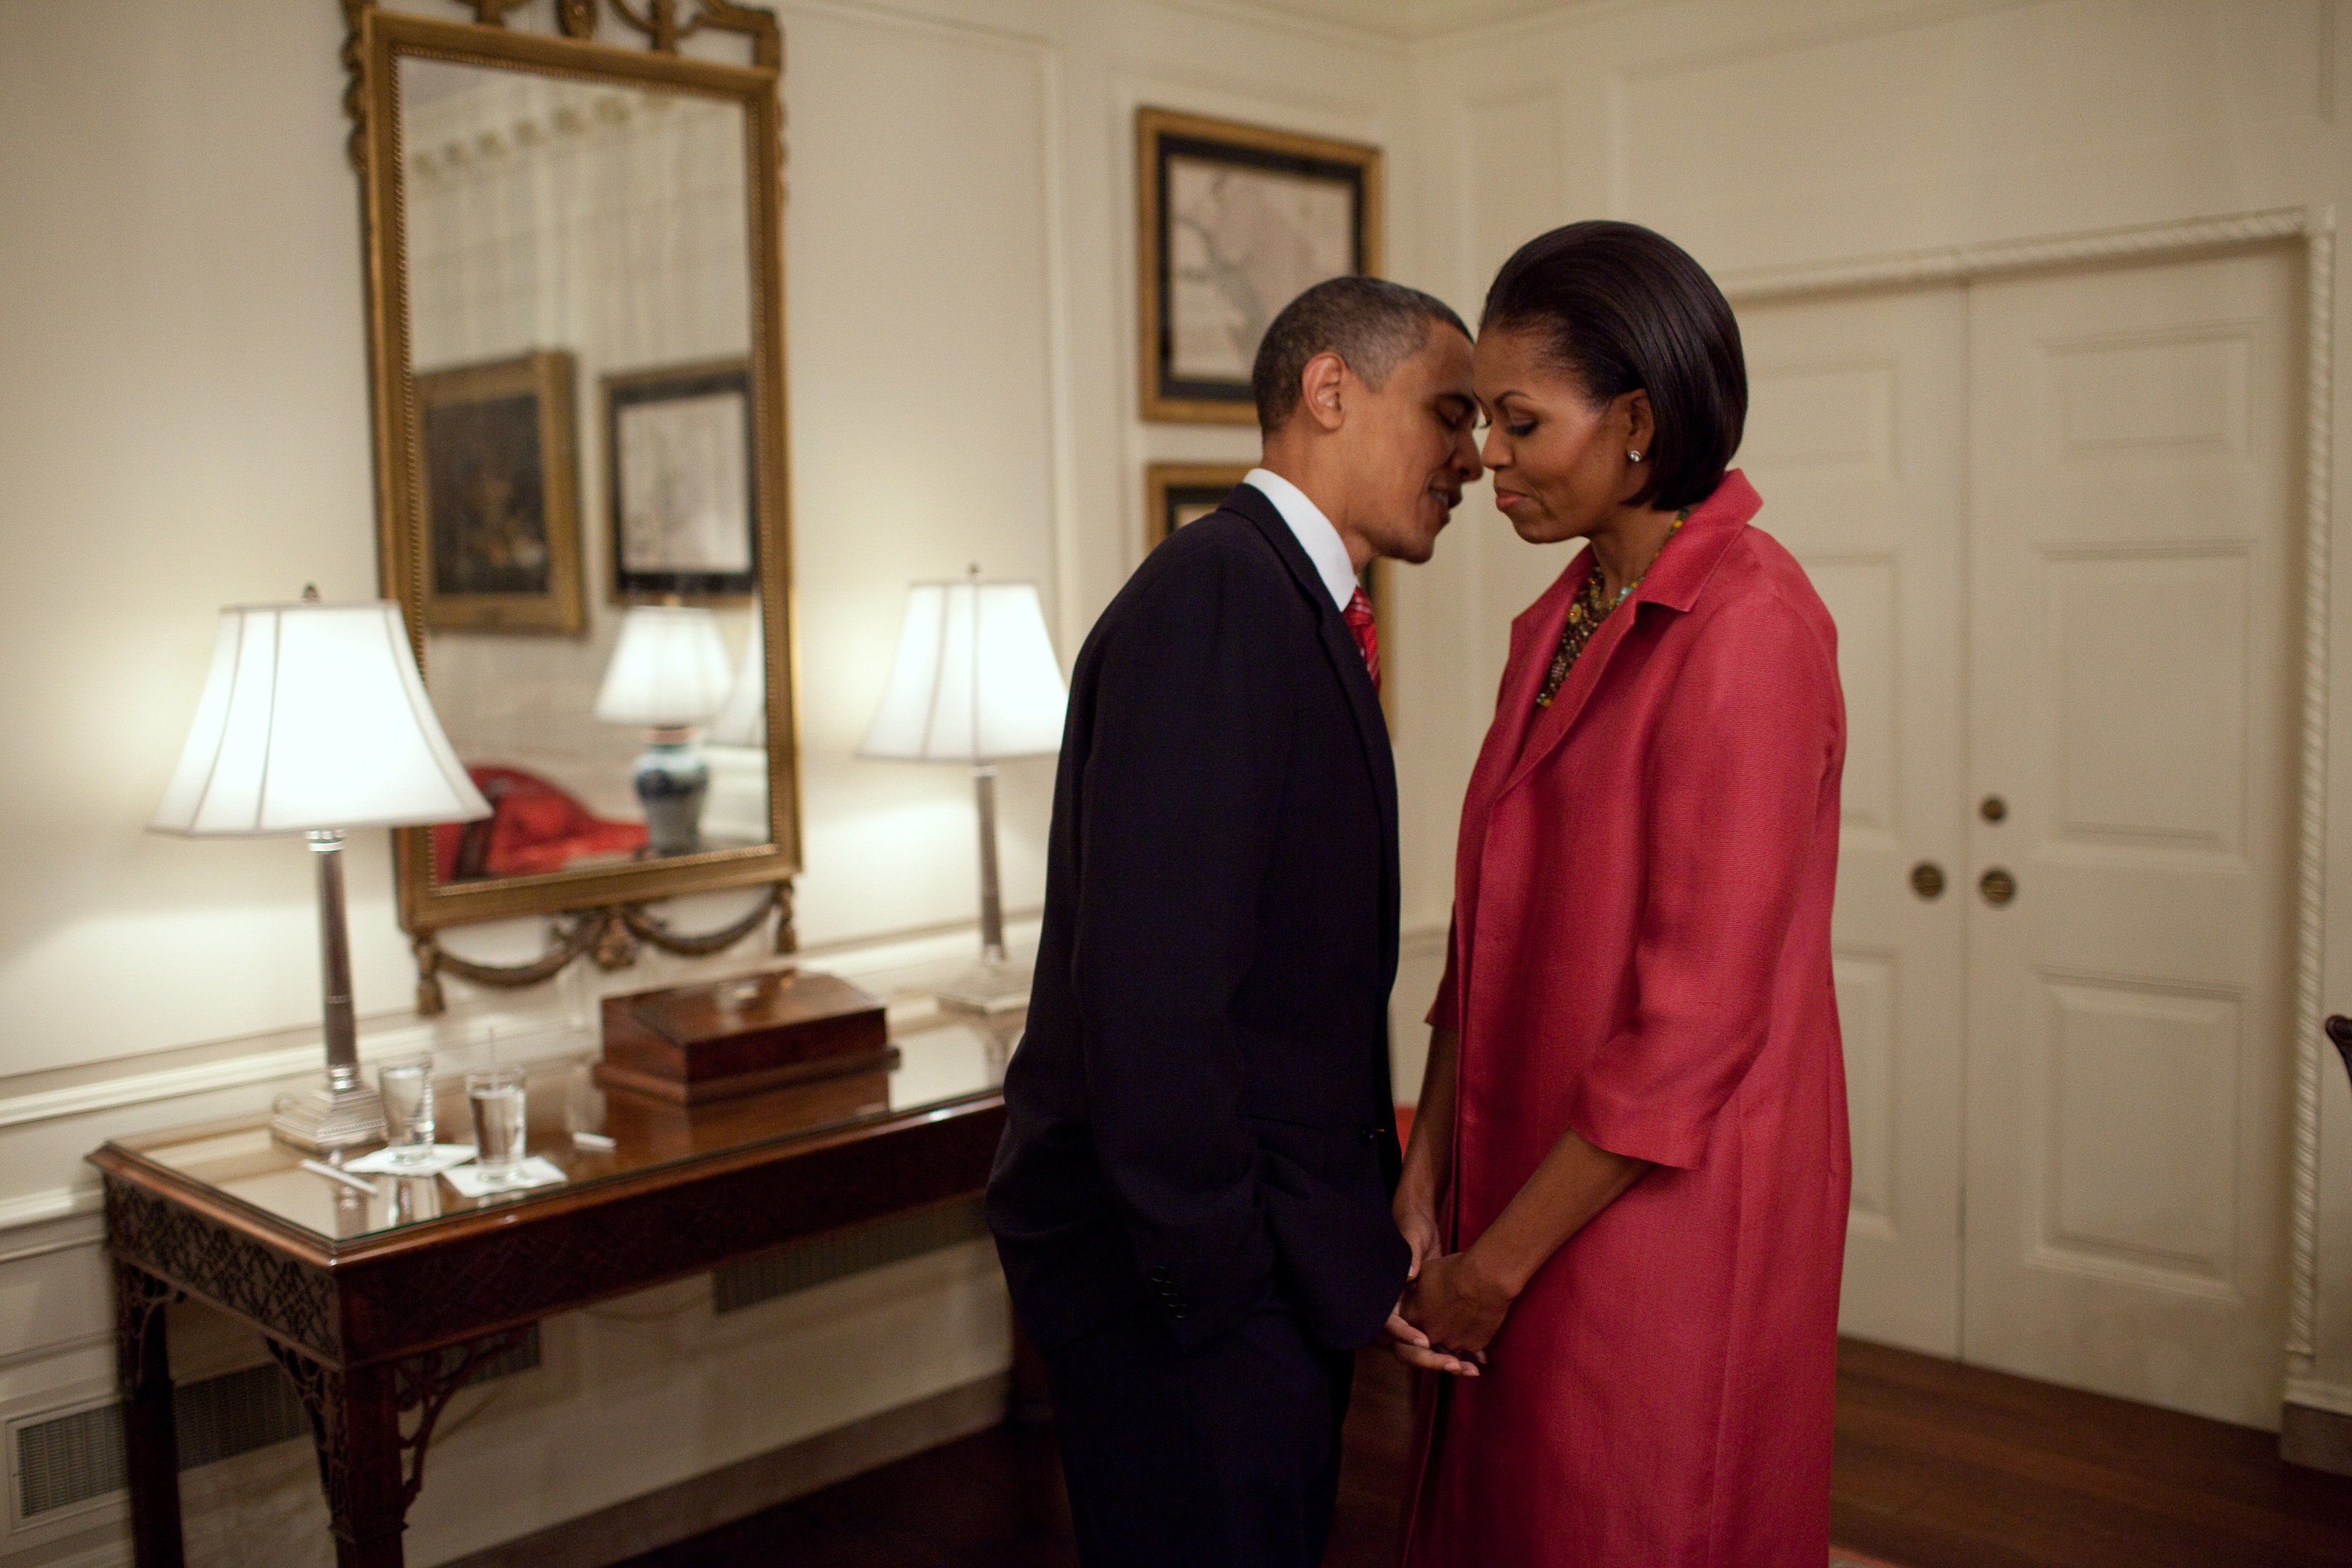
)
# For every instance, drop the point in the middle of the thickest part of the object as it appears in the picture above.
(1998, 887)
(1992, 808)
(1928, 879)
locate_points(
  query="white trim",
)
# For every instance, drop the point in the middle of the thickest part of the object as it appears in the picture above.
(39, 1208)
(2336, 1398)
(1960, 263)
(2315, 229)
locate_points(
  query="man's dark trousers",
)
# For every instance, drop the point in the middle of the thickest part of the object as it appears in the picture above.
(1192, 1198)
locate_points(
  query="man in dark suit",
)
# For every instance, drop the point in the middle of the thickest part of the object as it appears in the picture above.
(1192, 1198)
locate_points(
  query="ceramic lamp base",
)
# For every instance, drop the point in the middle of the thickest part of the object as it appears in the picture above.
(672, 779)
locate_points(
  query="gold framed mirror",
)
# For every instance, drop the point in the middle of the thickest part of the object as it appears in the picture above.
(574, 245)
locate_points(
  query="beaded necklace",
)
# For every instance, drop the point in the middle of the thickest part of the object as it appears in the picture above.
(1591, 607)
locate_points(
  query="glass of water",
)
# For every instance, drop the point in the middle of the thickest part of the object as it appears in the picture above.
(495, 1095)
(406, 1084)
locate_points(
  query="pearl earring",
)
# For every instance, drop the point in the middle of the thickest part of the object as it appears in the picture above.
(1632, 456)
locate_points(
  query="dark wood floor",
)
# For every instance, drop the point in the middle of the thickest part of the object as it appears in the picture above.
(1937, 1467)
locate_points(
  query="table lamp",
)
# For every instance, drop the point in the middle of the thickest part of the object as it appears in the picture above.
(670, 672)
(974, 681)
(314, 721)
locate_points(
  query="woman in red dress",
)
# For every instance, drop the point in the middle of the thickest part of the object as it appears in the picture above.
(1626, 1188)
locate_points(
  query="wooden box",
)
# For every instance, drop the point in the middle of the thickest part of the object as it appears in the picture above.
(692, 1043)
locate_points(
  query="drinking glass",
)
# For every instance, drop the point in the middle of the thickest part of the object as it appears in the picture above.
(495, 1095)
(406, 1084)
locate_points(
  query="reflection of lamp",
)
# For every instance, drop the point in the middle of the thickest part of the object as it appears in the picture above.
(668, 673)
(313, 720)
(974, 681)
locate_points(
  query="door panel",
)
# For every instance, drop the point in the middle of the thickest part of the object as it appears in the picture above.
(1855, 439)
(2131, 674)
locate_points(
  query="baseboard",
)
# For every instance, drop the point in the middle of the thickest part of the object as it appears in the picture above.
(2320, 1439)
(688, 1509)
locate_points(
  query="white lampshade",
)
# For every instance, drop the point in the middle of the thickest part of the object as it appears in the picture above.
(669, 670)
(975, 678)
(314, 719)
(743, 718)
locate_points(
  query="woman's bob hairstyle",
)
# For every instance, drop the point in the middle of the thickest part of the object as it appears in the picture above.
(1623, 308)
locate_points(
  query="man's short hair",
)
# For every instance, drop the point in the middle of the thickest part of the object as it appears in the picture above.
(1372, 324)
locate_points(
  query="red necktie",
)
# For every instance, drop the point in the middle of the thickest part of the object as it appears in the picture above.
(1359, 615)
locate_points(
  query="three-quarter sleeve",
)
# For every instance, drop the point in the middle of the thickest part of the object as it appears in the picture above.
(1743, 754)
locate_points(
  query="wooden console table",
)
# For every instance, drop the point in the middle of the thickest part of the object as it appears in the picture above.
(380, 1304)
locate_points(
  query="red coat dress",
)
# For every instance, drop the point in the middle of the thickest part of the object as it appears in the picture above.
(1640, 952)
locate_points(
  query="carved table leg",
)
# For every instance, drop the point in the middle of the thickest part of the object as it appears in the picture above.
(150, 1445)
(355, 1416)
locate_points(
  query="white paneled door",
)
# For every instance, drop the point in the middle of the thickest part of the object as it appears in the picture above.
(2051, 516)
(2131, 701)
(1855, 439)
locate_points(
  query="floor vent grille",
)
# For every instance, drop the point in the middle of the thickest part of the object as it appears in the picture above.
(743, 1285)
(77, 1458)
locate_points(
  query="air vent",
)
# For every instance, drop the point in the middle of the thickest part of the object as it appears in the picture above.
(71, 1460)
(743, 1285)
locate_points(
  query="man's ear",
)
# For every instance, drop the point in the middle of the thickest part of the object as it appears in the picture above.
(1319, 386)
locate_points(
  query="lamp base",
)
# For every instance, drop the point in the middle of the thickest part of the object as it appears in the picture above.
(672, 778)
(326, 1119)
(988, 988)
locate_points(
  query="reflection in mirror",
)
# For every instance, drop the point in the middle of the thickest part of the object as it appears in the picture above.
(580, 329)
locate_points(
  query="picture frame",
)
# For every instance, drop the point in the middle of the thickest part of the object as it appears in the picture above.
(1176, 493)
(1235, 221)
(682, 486)
(499, 451)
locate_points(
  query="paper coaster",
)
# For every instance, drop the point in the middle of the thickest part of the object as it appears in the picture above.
(535, 1172)
(388, 1161)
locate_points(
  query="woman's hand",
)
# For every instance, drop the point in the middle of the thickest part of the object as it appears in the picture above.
(1417, 1222)
(1457, 1304)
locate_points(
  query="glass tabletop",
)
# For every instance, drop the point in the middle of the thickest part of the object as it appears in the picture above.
(586, 1134)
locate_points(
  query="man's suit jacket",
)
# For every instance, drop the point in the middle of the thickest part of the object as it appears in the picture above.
(1200, 1114)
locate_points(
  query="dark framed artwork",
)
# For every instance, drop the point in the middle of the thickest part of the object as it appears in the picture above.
(681, 485)
(1235, 222)
(501, 495)
(1176, 493)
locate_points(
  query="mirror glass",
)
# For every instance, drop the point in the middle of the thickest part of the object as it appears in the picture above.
(580, 331)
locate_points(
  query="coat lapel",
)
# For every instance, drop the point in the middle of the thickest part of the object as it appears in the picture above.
(1672, 586)
(1347, 661)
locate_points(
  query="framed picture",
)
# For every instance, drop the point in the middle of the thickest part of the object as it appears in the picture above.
(680, 482)
(1237, 221)
(1178, 493)
(501, 495)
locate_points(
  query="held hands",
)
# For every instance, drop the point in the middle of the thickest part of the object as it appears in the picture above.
(1408, 1343)
(1459, 1304)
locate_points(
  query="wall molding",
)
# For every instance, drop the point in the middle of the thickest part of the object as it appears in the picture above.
(2314, 228)
(1964, 263)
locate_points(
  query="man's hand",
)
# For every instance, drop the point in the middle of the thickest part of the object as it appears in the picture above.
(1455, 1305)
(1416, 1221)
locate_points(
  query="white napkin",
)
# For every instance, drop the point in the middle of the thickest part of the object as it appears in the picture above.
(387, 1160)
(474, 1182)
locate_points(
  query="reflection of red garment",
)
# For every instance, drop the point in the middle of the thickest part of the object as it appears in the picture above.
(1641, 952)
(534, 827)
